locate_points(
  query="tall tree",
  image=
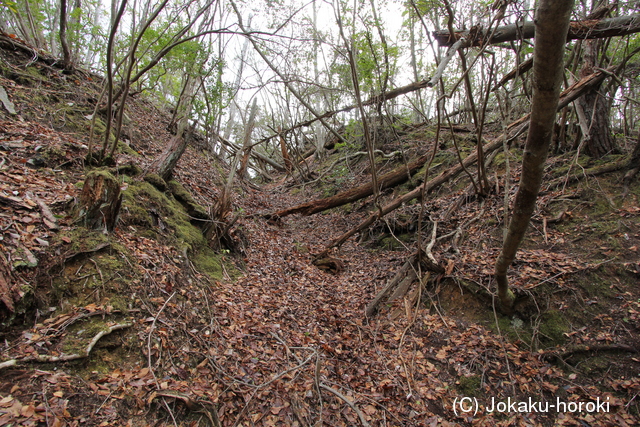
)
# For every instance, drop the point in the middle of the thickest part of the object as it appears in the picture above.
(66, 52)
(552, 25)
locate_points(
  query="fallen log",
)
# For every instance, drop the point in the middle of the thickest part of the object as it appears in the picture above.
(389, 180)
(417, 192)
(520, 70)
(569, 95)
(407, 270)
(578, 30)
(399, 285)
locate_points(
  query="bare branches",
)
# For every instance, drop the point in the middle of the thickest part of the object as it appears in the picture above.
(284, 80)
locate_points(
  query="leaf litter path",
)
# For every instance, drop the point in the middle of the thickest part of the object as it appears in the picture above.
(292, 346)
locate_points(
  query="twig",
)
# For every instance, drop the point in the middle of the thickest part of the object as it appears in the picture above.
(45, 358)
(434, 233)
(8, 363)
(348, 402)
(153, 325)
(316, 379)
(103, 402)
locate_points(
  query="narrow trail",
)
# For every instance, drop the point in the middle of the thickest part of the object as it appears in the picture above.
(286, 329)
(292, 346)
(312, 321)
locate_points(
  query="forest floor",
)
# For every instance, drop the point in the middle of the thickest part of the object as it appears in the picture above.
(149, 326)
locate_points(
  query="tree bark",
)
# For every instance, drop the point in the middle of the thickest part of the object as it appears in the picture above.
(100, 201)
(164, 164)
(66, 53)
(9, 294)
(634, 166)
(288, 164)
(586, 29)
(552, 23)
(598, 135)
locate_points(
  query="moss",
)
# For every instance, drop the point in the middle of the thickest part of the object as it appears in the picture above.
(470, 386)
(129, 169)
(102, 171)
(597, 283)
(208, 262)
(126, 149)
(394, 243)
(594, 364)
(186, 199)
(97, 269)
(78, 335)
(82, 240)
(515, 329)
(156, 180)
(99, 127)
(34, 71)
(553, 326)
(53, 155)
(146, 206)
(133, 212)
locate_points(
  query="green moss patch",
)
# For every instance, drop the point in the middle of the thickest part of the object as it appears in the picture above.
(145, 206)
(197, 213)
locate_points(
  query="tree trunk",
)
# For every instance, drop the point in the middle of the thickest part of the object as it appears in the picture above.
(164, 164)
(552, 23)
(66, 53)
(634, 166)
(247, 146)
(288, 164)
(598, 136)
(100, 201)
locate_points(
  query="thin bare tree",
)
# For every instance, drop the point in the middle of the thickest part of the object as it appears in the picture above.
(552, 25)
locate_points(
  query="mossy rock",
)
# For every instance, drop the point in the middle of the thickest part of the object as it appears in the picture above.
(97, 269)
(129, 169)
(186, 199)
(146, 206)
(124, 148)
(156, 180)
(208, 262)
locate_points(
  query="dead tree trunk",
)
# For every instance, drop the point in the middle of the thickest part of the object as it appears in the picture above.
(100, 201)
(587, 29)
(164, 164)
(288, 164)
(389, 180)
(399, 285)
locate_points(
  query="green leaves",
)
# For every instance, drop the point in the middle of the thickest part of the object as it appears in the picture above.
(11, 5)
